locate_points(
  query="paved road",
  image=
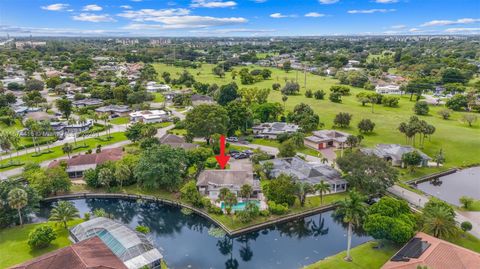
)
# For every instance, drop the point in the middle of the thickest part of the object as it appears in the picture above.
(18, 171)
(419, 201)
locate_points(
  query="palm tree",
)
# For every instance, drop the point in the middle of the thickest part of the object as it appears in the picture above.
(18, 199)
(67, 148)
(5, 141)
(72, 121)
(246, 191)
(352, 210)
(83, 120)
(105, 118)
(47, 129)
(63, 212)
(439, 222)
(15, 140)
(322, 188)
(122, 172)
(33, 128)
(301, 191)
(284, 99)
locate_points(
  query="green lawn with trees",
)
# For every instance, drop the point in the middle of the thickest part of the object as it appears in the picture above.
(457, 151)
(15, 241)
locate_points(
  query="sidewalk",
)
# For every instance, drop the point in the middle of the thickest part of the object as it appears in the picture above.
(418, 200)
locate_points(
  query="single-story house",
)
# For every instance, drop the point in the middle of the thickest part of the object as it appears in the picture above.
(388, 89)
(133, 248)
(273, 129)
(92, 253)
(394, 152)
(427, 251)
(80, 163)
(149, 116)
(198, 99)
(325, 139)
(88, 102)
(153, 86)
(176, 141)
(38, 116)
(120, 110)
(312, 173)
(60, 129)
(22, 110)
(210, 182)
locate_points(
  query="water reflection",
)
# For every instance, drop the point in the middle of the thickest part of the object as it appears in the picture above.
(185, 243)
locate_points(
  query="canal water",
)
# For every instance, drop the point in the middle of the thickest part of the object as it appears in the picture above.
(185, 241)
(450, 188)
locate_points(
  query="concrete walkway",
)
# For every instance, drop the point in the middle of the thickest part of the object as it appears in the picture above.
(419, 201)
(18, 171)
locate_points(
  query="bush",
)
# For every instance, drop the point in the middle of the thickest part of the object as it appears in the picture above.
(277, 209)
(466, 226)
(319, 95)
(190, 194)
(335, 97)
(421, 108)
(86, 216)
(41, 237)
(343, 90)
(308, 93)
(390, 101)
(264, 213)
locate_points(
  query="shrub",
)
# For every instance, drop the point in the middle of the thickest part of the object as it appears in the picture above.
(466, 201)
(390, 101)
(319, 95)
(343, 90)
(87, 216)
(421, 108)
(190, 194)
(264, 213)
(335, 97)
(308, 93)
(41, 237)
(277, 209)
(466, 226)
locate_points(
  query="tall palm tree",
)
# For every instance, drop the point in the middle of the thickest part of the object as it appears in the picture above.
(122, 172)
(63, 212)
(15, 140)
(83, 120)
(47, 129)
(4, 141)
(105, 117)
(67, 149)
(18, 199)
(439, 222)
(72, 121)
(33, 129)
(322, 188)
(302, 189)
(246, 191)
(352, 210)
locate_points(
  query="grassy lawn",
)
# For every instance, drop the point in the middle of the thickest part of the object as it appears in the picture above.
(474, 207)
(14, 241)
(120, 120)
(364, 256)
(57, 151)
(178, 131)
(15, 127)
(159, 98)
(457, 151)
(467, 240)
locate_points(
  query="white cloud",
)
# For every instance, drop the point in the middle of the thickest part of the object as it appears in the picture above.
(463, 30)
(93, 17)
(414, 30)
(399, 26)
(151, 14)
(279, 15)
(370, 11)
(185, 22)
(450, 22)
(386, 1)
(231, 31)
(56, 7)
(126, 6)
(22, 31)
(327, 2)
(92, 8)
(314, 14)
(212, 3)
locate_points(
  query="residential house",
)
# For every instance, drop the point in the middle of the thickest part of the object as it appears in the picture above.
(325, 139)
(426, 251)
(210, 182)
(198, 99)
(133, 248)
(80, 163)
(38, 116)
(273, 129)
(176, 141)
(88, 102)
(312, 173)
(153, 86)
(388, 89)
(120, 110)
(394, 152)
(149, 116)
(92, 253)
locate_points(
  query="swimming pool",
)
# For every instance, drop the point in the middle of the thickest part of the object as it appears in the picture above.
(240, 206)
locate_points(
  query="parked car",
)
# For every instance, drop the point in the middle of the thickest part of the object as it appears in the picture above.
(113, 116)
(240, 155)
(232, 139)
(259, 136)
(248, 152)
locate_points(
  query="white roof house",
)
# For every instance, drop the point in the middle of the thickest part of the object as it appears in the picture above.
(133, 248)
(273, 129)
(153, 86)
(149, 116)
(388, 89)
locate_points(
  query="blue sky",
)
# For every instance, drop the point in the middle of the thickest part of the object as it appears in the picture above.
(238, 17)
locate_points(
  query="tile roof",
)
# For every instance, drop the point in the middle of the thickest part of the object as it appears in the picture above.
(88, 254)
(113, 154)
(439, 255)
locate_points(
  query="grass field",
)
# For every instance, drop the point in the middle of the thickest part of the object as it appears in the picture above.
(159, 98)
(120, 120)
(57, 151)
(364, 256)
(14, 246)
(455, 138)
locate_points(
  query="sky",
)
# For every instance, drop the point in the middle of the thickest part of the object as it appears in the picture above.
(250, 18)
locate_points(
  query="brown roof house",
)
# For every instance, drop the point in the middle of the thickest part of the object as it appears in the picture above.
(176, 141)
(426, 250)
(325, 139)
(80, 163)
(88, 254)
